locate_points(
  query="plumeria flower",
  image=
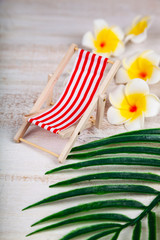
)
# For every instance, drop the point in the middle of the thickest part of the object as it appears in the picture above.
(144, 66)
(131, 103)
(137, 33)
(106, 40)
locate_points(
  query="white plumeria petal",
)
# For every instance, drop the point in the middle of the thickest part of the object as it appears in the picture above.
(151, 56)
(135, 21)
(118, 31)
(114, 116)
(128, 38)
(87, 40)
(139, 38)
(99, 24)
(150, 21)
(137, 85)
(122, 76)
(155, 78)
(152, 105)
(119, 50)
(117, 96)
(135, 124)
(127, 62)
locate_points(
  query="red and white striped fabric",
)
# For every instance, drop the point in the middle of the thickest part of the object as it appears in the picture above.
(78, 94)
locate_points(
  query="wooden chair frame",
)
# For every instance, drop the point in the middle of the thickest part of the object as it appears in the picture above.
(85, 121)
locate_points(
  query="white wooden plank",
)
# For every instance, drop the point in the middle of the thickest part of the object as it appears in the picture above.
(34, 37)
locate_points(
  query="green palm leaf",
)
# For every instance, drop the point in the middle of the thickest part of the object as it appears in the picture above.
(86, 218)
(140, 161)
(149, 132)
(151, 138)
(118, 203)
(151, 226)
(110, 175)
(137, 231)
(98, 190)
(117, 150)
(89, 229)
(115, 237)
(103, 234)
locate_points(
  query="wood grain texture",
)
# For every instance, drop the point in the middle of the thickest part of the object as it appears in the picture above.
(34, 35)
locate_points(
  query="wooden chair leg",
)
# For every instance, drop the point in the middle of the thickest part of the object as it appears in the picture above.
(21, 131)
(100, 110)
(49, 101)
(62, 157)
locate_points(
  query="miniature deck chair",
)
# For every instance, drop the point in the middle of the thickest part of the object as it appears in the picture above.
(80, 97)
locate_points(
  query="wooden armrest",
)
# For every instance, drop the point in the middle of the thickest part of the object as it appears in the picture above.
(32, 114)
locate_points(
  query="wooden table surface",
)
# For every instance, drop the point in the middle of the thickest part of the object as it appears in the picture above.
(34, 36)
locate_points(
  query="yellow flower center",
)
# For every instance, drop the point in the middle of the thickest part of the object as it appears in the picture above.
(133, 106)
(106, 41)
(140, 68)
(139, 27)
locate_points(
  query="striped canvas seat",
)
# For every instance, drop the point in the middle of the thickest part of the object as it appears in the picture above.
(77, 95)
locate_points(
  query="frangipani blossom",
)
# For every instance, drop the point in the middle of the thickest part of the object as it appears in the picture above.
(137, 33)
(106, 40)
(144, 66)
(131, 103)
